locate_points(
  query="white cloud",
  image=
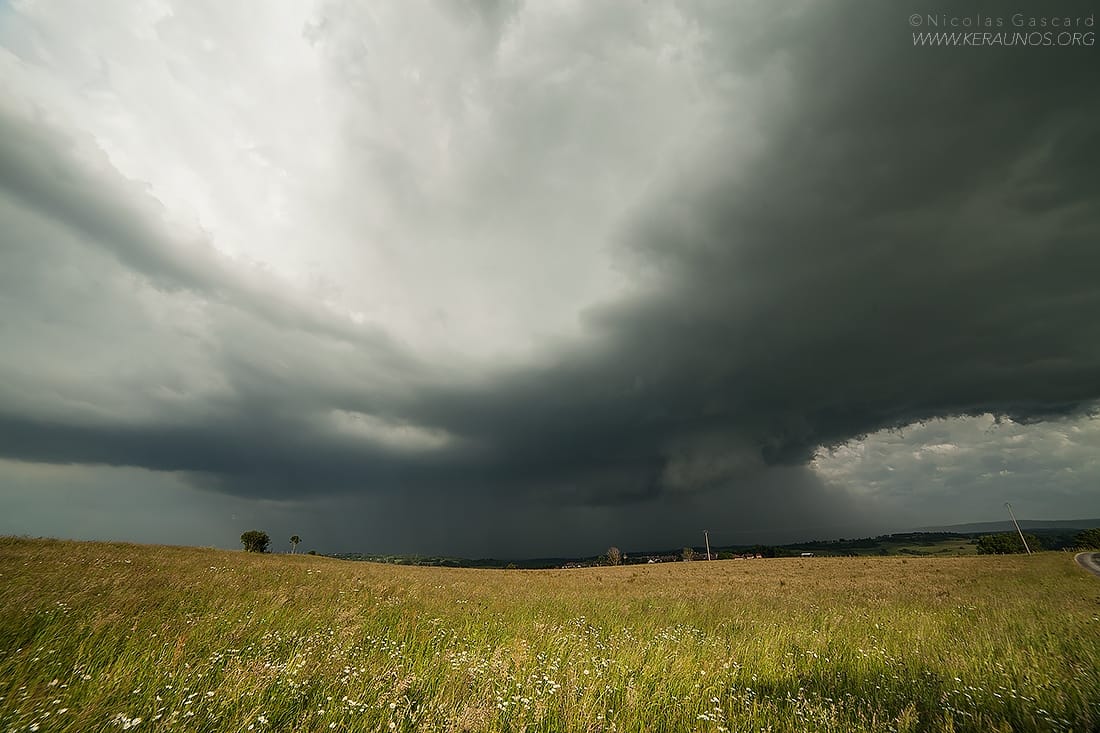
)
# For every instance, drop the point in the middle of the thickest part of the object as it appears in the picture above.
(457, 180)
(399, 436)
(963, 469)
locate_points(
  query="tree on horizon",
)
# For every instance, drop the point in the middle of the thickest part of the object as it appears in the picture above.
(255, 541)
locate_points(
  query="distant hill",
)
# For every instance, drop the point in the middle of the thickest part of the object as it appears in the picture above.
(1007, 526)
(956, 539)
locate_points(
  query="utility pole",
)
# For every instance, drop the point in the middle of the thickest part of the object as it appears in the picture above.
(1009, 506)
(706, 538)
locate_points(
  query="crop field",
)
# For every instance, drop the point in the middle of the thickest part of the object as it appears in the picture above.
(114, 637)
(943, 547)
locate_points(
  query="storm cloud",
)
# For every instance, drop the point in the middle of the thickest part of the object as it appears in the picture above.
(539, 276)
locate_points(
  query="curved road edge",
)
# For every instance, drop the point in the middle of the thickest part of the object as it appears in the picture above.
(1089, 561)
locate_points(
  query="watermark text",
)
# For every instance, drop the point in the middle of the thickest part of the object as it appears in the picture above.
(1015, 30)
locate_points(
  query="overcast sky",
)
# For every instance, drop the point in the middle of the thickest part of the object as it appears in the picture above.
(520, 278)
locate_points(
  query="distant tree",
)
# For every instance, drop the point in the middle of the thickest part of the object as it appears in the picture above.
(687, 553)
(614, 556)
(312, 552)
(1006, 543)
(255, 541)
(1090, 538)
(294, 540)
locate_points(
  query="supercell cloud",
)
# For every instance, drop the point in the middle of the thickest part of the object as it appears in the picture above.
(516, 278)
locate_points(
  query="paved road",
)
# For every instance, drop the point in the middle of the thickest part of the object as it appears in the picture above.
(1089, 561)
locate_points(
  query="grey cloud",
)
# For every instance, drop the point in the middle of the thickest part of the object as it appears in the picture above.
(855, 234)
(869, 266)
(70, 181)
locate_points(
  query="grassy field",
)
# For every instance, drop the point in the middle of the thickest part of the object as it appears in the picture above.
(942, 547)
(123, 637)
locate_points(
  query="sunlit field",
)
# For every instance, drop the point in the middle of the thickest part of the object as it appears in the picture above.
(123, 637)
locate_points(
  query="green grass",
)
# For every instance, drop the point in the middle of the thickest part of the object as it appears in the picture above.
(94, 636)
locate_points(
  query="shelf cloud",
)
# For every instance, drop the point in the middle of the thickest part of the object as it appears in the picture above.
(541, 277)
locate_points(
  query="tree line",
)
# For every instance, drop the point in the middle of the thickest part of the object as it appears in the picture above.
(1008, 543)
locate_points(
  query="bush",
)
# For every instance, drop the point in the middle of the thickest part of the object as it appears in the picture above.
(255, 541)
(1006, 543)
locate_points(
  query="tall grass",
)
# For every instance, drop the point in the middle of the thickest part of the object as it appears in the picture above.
(121, 637)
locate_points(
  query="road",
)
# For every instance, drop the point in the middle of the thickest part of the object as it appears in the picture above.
(1089, 561)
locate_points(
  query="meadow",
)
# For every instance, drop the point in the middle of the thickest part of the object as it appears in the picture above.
(113, 637)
